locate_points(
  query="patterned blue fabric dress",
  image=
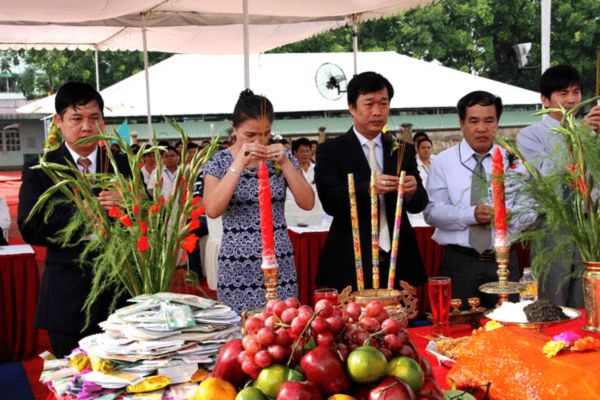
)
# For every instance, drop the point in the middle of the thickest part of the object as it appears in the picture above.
(240, 280)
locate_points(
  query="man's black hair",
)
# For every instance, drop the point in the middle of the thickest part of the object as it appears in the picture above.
(300, 142)
(75, 94)
(557, 78)
(481, 98)
(367, 82)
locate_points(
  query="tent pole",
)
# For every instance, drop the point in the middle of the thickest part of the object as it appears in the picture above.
(97, 67)
(546, 18)
(246, 46)
(355, 45)
(147, 78)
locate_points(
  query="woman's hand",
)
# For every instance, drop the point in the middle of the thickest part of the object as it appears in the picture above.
(251, 152)
(276, 152)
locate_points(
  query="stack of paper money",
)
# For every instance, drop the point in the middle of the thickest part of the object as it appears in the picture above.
(165, 334)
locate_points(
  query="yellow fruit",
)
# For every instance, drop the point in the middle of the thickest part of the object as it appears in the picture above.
(340, 397)
(270, 379)
(215, 389)
(408, 370)
(366, 364)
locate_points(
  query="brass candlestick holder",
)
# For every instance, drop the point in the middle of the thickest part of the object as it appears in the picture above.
(503, 287)
(270, 271)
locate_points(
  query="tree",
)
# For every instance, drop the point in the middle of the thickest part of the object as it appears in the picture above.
(477, 36)
(44, 71)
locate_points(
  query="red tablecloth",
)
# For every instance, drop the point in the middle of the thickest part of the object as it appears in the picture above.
(308, 247)
(19, 284)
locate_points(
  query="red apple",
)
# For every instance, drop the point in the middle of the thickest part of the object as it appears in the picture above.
(430, 387)
(392, 388)
(293, 390)
(227, 366)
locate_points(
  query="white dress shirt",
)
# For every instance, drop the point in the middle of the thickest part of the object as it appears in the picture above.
(168, 182)
(449, 190)
(538, 142)
(92, 157)
(4, 216)
(295, 215)
(378, 147)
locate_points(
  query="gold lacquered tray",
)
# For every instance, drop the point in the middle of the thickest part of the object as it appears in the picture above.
(397, 302)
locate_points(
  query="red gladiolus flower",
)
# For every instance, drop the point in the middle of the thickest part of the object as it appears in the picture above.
(582, 187)
(189, 242)
(142, 244)
(183, 256)
(197, 212)
(194, 224)
(196, 200)
(136, 209)
(162, 201)
(143, 227)
(125, 221)
(154, 209)
(114, 212)
(76, 190)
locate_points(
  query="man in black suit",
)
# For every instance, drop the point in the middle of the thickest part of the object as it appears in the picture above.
(67, 282)
(363, 149)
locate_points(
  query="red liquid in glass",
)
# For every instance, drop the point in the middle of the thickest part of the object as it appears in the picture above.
(440, 295)
(329, 294)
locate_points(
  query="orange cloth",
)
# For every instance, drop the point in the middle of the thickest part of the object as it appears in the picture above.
(511, 359)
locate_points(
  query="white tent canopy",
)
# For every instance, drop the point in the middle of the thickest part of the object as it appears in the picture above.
(210, 84)
(179, 26)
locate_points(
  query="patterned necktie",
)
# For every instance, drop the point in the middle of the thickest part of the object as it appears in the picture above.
(85, 164)
(384, 233)
(480, 236)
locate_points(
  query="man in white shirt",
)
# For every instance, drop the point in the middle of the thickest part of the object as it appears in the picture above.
(459, 201)
(170, 162)
(294, 215)
(559, 86)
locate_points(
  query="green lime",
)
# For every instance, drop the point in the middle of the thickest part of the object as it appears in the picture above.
(250, 393)
(408, 370)
(458, 395)
(270, 379)
(366, 364)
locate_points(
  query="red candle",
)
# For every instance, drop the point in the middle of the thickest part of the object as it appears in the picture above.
(501, 238)
(266, 217)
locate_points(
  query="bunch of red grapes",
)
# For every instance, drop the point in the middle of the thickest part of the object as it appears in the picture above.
(286, 327)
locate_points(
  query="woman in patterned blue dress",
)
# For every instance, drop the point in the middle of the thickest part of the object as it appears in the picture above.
(230, 190)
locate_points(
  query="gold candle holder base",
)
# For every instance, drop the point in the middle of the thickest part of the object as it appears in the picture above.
(270, 272)
(503, 287)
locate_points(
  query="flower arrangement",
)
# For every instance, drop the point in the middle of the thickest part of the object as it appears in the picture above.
(566, 197)
(134, 248)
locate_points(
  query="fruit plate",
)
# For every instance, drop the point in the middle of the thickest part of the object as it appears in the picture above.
(571, 313)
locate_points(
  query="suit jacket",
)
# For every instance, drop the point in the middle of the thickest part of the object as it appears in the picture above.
(65, 281)
(335, 160)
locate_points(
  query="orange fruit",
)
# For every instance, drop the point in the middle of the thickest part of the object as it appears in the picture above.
(215, 389)
(408, 370)
(340, 397)
(366, 364)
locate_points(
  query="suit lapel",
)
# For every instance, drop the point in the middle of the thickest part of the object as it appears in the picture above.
(356, 155)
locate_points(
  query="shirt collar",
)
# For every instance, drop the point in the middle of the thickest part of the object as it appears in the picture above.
(363, 140)
(466, 152)
(92, 156)
(550, 122)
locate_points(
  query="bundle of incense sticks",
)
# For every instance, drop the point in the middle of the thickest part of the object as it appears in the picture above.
(360, 283)
(374, 231)
(396, 236)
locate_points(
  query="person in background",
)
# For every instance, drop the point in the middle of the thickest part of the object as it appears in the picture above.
(116, 149)
(229, 186)
(4, 221)
(134, 148)
(170, 160)
(294, 215)
(67, 280)
(424, 157)
(559, 86)
(192, 148)
(313, 148)
(149, 160)
(179, 146)
(419, 136)
(459, 201)
(361, 151)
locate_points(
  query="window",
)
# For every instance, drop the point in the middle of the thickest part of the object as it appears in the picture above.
(12, 140)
